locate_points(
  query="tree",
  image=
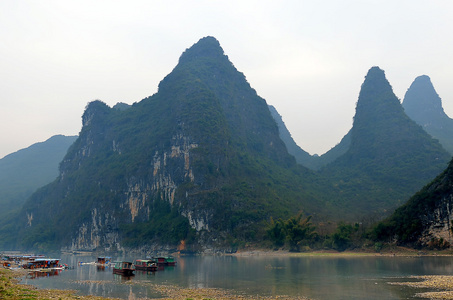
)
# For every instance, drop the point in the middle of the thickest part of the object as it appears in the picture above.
(295, 232)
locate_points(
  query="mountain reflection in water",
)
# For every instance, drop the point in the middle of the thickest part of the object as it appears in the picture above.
(313, 277)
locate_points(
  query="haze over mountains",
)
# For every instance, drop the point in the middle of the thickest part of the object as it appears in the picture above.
(24, 171)
(302, 157)
(423, 105)
(202, 163)
(389, 153)
(201, 159)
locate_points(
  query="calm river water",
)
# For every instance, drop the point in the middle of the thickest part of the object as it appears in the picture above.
(321, 277)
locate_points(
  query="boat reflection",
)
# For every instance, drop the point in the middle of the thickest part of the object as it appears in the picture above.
(42, 273)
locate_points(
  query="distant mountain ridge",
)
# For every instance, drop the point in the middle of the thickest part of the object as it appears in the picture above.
(389, 155)
(24, 171)
(201, 166)
(423, 105)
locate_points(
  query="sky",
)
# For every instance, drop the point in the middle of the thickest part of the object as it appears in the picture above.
(306, 58)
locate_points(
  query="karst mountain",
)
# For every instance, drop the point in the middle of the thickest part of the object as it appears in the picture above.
(423, 105)
(390, 157)
(198, 163)
(203, 165)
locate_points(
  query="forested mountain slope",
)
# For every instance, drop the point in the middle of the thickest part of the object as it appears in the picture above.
(198, 164)
(390, 157)
(426, 219)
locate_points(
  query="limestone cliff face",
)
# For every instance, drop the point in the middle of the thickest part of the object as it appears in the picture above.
(190, 165)
(437, 223)
(134, 202)
(426, 220)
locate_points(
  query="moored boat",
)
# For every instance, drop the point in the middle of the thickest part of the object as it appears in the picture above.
(124, 268)
(165, 260)
(47, 263)
(170, 261)
(145, 265)
(104, 260)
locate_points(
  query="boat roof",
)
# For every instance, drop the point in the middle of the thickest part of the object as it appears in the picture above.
(47, 259)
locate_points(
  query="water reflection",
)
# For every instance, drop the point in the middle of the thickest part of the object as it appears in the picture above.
(312, 277)
(37, 274)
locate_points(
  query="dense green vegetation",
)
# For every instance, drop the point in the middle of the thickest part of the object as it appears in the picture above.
(157, 228)
(201, 161)
(407, 223)
(130, 160)
(295, 232)
(390, 157)
(299, 234)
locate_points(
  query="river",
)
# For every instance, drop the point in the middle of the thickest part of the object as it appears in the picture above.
(314, 277)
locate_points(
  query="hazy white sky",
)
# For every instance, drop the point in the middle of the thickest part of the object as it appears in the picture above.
(306, 58)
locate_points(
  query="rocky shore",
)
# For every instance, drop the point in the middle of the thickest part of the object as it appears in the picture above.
(442, 284)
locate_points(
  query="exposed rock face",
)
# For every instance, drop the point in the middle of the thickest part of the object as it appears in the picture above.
(426, 219)
(436, 222)
(193, 162)
(99, 231)
(135, 202)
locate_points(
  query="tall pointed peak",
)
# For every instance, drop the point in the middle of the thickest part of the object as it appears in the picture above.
(375, 83)
(422, 96)
(204, 60)
(205, 47)
(376, 99)
(423, 105)
(375, 71)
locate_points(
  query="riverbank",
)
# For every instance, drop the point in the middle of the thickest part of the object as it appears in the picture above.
(389, 251)
(12, 289)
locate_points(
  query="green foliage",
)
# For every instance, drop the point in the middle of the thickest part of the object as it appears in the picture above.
(378, 246)
(389, 159)
(166, 225)
(241, 171)
(206, 144)
(406, 224)
(295, 232)
(342, 238)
